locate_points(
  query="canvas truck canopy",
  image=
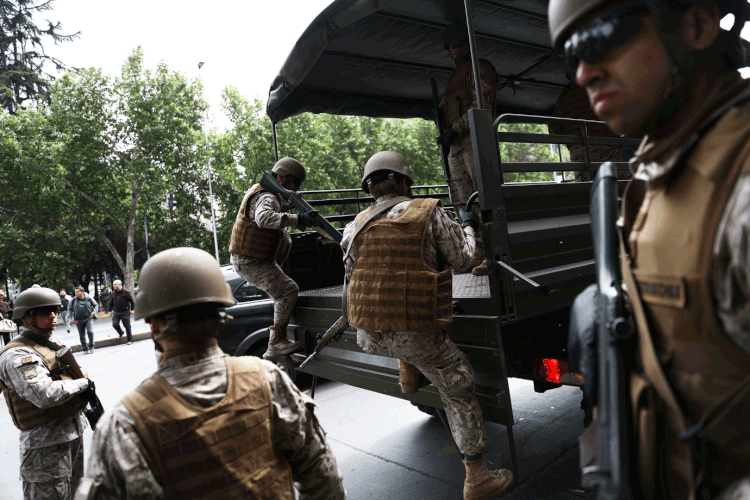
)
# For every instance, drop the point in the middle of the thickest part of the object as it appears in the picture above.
(376, 57)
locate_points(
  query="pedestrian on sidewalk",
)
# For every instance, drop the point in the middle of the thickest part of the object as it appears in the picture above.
(105, 294)
(7, 312)
(83, 308)
(122, 305)
(64, 314)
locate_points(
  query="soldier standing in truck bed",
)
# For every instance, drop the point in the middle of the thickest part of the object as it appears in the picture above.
(260, 243)
(398, 258)
(460, 96)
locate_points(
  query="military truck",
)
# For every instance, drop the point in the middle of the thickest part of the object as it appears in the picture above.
(376, 58)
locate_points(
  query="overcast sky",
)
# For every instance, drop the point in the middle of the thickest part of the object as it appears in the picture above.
(243, 43)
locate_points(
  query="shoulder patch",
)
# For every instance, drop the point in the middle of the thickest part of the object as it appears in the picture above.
(29, 373)
(27, 360)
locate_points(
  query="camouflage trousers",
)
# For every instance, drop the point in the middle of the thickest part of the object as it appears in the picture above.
(449, 370)
(52, 472)
(268, 276)
(461, 165)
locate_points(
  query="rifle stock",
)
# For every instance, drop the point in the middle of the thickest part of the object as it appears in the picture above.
(96, 410)
(610, 433)
(438, 116)
(333, 332)
(271, 184)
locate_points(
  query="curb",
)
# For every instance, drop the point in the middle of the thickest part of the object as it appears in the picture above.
(113, 341)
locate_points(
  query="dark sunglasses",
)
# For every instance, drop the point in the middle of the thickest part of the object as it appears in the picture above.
(296, 180)
(44, 311)
(459, 44)
(593, 42)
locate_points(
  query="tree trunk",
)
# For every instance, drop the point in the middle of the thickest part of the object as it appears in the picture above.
(130, 245)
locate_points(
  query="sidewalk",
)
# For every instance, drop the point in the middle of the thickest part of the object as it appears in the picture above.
(104, 334)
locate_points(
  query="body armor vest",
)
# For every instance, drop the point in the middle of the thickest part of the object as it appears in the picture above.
(670, 230)
(25, 414)
(457, 97)
(391, 285)
(224, 451)
(251, 240)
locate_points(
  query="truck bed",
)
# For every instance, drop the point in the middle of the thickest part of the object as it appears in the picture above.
(465, 286)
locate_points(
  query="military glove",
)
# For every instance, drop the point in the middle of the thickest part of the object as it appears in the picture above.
(306, 219)
(89, 394)
(448, 137)
(468, 219)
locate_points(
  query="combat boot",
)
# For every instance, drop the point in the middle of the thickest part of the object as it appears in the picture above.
(408, 377)
(483, 484)
(278, 345)
(480, 270)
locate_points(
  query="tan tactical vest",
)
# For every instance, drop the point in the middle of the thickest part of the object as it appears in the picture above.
(250, 240)
(457, 97)
(671, 231)
(25, 414)
(391, 286)
(224, 451)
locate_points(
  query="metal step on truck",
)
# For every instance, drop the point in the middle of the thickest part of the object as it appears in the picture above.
(376, 58)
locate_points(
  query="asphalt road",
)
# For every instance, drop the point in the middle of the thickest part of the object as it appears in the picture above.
(386, 449)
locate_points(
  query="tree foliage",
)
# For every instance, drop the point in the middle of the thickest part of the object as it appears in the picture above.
(23, 76)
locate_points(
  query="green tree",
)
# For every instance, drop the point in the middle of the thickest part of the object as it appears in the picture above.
(22, 56)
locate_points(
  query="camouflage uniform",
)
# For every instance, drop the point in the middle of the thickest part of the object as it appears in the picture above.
(51, 453)
(434, 354)
(265, 209)
(461, 158)
(121, 467)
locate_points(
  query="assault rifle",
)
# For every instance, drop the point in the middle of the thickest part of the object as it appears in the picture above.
(295, 201)
(333, 333)
(68, 362)
(438, 116)
(605, 444)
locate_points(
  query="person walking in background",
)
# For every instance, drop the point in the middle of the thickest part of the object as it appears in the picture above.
(104, 294)
(6, 312)
(121, 304)
(83, 308)
(64, 314)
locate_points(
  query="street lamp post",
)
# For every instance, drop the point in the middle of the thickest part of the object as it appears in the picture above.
(145, 221)
(210, 189)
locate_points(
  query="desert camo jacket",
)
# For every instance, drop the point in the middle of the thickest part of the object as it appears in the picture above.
(22, 369)
(731, 252)
(266, 212)
(120, 466)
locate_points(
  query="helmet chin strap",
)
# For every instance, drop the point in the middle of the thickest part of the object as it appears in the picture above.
(34, 326)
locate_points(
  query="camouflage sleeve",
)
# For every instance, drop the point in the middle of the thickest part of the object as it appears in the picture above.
(302, 440)
(489, 85)
(455, 244)
(349, 261)
(119, 466)
(268, 213)
(28, 375)
(732, 265)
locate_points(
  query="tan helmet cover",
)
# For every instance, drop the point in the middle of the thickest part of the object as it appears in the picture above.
(563, 14)
(386, 160)
(33, 298)
(180, 277)
(287, 166)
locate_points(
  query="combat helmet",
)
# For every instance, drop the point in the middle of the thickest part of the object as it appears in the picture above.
(33, 298)
(180, 277)
(290, 166)
(389, 161)
(454, 33)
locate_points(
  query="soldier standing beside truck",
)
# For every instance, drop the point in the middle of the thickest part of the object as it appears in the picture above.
(44, 401)
(460, 96)
(206, 425)
(260, 243)
(398, 259)
(685, 226)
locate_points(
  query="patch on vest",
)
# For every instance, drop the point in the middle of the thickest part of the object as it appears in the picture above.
(663, 290)
(29, 373)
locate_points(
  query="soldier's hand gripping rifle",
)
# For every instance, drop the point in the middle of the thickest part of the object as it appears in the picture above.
(605, 444)
(438, 116)
(333, 333)
(296, 201)
(68, 362)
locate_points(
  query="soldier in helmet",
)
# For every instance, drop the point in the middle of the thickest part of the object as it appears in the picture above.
(206, 425)
(260, 243)
(399, 236)
(668, 70)
(44, 401)
(460, 96)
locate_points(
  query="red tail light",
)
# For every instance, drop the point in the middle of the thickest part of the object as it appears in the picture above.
(551, 370)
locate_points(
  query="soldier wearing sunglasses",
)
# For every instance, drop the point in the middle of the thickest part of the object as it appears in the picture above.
(260, 243)
(460, 96)
(667, 70)
(44, 400)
